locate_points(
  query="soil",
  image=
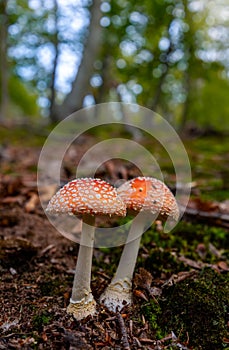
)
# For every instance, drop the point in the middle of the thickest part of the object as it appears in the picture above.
(180, 296)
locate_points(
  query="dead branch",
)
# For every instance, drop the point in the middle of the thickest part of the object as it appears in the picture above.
(216, 218)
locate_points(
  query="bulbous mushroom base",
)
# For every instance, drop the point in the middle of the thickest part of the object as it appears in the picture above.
(83, 308)
(117, 295)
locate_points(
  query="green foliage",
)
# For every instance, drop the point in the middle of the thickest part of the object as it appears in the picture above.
(217, 195)
(35, 39)
(160, 54)
(212, 181)
(22, 97)
(165, 66)
(209, 101)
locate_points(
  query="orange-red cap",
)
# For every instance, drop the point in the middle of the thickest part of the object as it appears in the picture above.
(149, 194)
(87, 196)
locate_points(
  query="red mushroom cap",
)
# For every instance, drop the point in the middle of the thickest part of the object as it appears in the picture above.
(87, 196)
(149, 194)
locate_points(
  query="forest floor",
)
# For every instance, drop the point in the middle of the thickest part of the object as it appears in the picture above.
(181, 283)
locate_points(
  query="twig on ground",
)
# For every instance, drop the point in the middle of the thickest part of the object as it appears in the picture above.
(122, 327)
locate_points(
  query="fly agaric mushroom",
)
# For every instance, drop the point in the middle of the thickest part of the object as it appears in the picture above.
(149, 198)
(87, 197)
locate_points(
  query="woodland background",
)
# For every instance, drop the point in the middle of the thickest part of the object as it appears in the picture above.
(169, 56)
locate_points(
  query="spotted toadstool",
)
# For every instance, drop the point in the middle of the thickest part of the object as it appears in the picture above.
(86, 197)
(149, 198)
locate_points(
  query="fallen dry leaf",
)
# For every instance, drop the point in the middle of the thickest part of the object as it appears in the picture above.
(12, 200)
(143, 279)
(223, 266)
(181, 276)
(140, 294)
(31, 204)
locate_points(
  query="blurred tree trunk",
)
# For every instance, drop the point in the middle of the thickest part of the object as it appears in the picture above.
(158, 90)
(184, 114)
(3, 60)
(55, 42)
(81, 84)
(101, 94)
(192, 66)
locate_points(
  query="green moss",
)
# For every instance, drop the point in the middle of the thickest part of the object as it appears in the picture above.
(197, 308)
(162, 262)
(51, 287)
(184, 239)
(16, 134)
(152, 312)
(41, 319)
(187, 236)
(215, 194)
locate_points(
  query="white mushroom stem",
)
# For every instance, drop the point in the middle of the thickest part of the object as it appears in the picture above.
(82, 302)
(119, 292)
